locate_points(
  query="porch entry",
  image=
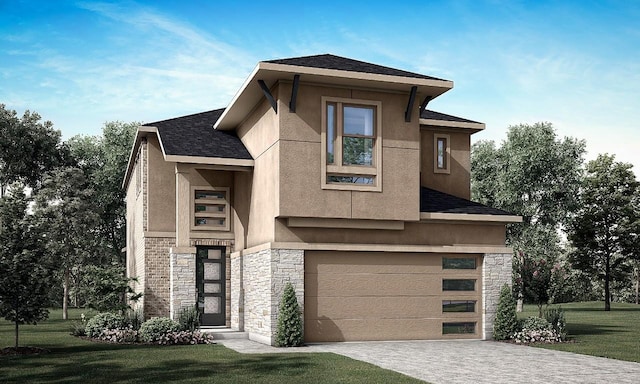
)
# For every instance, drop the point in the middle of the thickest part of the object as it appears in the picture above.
(210, 282)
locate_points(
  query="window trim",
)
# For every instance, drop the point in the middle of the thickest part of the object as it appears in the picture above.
(337, 168)
(447, 153)
(227, 207)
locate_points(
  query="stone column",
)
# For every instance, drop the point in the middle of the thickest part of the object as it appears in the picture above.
(496, 272)
(182, 279)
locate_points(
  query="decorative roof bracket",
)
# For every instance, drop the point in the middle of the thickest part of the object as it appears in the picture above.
(294, 93)
(268, 95)
(426, 101)
(412, 99)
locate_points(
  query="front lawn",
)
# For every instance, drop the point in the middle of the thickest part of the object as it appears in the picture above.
(74, 360)
(614, 334)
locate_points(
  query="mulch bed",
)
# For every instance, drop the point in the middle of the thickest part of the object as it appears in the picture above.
(12, 351)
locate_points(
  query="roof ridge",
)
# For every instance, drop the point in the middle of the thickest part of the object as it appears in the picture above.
(220, 110)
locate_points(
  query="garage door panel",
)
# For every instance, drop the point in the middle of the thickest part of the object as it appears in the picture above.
(336, 308)
(358, 285)
(383, 329)
(368, 262)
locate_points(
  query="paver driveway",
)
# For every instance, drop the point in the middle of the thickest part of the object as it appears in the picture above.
(471, 361)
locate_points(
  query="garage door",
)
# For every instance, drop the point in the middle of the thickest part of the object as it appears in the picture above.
(353, 296)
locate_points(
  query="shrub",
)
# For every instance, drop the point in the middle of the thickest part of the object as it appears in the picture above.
(133, 318)
(119, 335)
(154, 329)
(104, 321)
(189, 319)
(289, 333)
(555, 317)
(506, 321)
(537, 330)
(185, 337)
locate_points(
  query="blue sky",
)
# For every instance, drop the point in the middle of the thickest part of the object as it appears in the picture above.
(575, 64)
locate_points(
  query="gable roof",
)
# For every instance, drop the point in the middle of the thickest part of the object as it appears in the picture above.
(328, 61)
(193, 135)
(432, 201)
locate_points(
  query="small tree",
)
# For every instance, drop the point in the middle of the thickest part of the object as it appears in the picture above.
(289, 332)
(24, 273)
(506, 322)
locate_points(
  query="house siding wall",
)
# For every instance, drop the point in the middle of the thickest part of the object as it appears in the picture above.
(136, 200)
(458, 181)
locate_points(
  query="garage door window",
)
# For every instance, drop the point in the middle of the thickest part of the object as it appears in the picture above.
(458, 328)
(458, 263)
(458, 284)
(458, 305)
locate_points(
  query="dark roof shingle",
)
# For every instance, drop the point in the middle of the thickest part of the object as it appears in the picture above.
(193, 135)
(328, 61)
(432, 201)
(433, 115)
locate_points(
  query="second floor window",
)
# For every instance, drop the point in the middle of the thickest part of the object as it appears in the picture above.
(352, 144)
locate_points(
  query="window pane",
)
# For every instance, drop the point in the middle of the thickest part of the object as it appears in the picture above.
(358, 121)
(458, 284)
(458, 263)
(357, 151)
(458, 328)
(458, 306)
(331, 132)
(350, 179)
(442, 147)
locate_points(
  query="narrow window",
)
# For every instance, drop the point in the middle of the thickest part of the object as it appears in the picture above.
(458, 284)
(458, 263)
(442, 153)
(458, 328)
(458, 305)
(331, 132)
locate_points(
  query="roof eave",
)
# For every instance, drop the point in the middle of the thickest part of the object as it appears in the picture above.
(443, 216)
(141, 132)
(250, 93)
(469, 126)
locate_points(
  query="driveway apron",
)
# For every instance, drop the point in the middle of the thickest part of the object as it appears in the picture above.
(471, 361)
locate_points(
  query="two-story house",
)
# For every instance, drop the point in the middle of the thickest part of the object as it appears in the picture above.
(329, 173)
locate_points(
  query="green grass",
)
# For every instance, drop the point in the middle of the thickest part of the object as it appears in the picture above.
(614, 334)
(75, 360)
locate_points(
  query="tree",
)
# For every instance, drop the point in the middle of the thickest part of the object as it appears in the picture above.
(28, 148)
(104, 160)
(65, 212)
(106, 288)
(24, 273)
(289, 332)
(604, 231)
(533, 174)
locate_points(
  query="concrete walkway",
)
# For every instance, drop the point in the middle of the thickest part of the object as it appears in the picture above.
(470, 361)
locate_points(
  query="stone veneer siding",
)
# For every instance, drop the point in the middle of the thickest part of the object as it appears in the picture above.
(182, 282)
(264, 275)
(496, 271)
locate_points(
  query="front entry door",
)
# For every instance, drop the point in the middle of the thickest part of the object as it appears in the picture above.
(211, 281)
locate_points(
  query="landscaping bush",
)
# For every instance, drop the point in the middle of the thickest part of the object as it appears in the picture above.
(506, 321)
(154, 329)
(189, 319)
(185, 337)
(134, 318)
(555, 317)
(104, 321)
(119, 335)
(537, 330)
(289, 332)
